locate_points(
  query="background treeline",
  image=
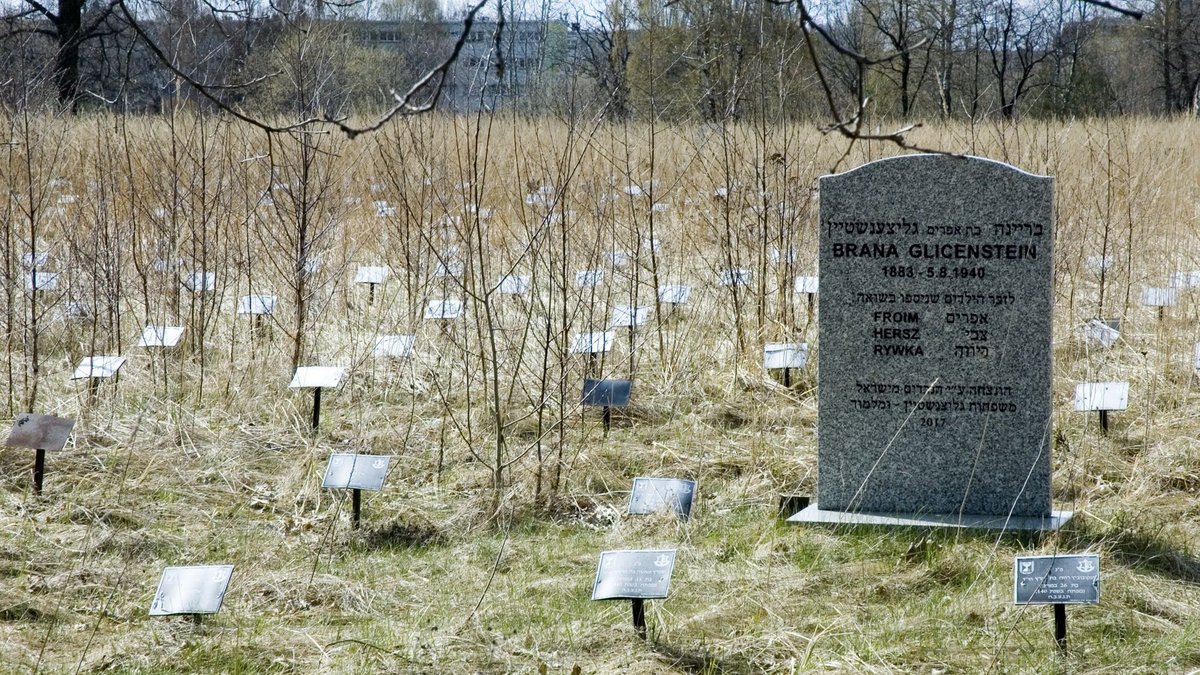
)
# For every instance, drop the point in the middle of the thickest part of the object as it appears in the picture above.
(689, 59)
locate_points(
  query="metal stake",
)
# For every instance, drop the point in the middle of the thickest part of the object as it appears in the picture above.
(1060, 626)
(1104, 421)
(316, 413)
(39, 470)
(639, 617)
(356, 501)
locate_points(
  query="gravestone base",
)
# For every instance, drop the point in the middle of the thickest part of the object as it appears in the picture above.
(813, 515)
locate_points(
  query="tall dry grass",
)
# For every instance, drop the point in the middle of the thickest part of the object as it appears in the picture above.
(201, 455)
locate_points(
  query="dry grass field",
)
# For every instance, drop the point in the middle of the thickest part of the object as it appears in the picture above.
(479, 554)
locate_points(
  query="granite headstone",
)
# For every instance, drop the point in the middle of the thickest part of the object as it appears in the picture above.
(935, 340)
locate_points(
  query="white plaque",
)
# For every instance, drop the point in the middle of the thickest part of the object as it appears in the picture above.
(674, 294)
(444, 310)
(195, 589)
(735, 277)
(592, 343)
(200, 282)
(589, 278)
(1099, 262)
(807, 285)
(398, 346)
(1100, 334)
(1159, 297)
(41, 281)
(780, 355)
(624, 316)
(513, 285)
(161, 336)
(1091, 396)
(256, 304)
(312, 377)
(619, 259)
(98, 367)
(1185, 279)
(451, 269)
(348, 471)
(371, 275)
(35, 259)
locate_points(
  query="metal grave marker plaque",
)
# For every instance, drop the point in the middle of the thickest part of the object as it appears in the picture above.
(935, 334)
(200, 282)
(1098, 263)
(443, 310)
(98, 367)
(513, 285)
(1090, 396)
(735, 277)
(592, 343)
(309, 377)
(589, 278)
(633, 574)
(41, 281)
(606, 393)
(160, 336)
(807, 285)
(348, 471)
(624, 316)
(674, 294)
(1185, 279)
(780, 355)
(1100, 333)
(256, 304)
(194, 589)
(1056, 579)
(396, 346)
(1159, 297)
(371, 275)
(656, 495)
(40, 432)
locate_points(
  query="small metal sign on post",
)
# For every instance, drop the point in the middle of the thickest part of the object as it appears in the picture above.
(808, 286)
(317, 378)
(192, 589)
(655, 495)
(1103, 334)
(94, 369)
(592, 344)
(394, 346)
(39, 433)
(372, 277)
(635, 575)
(257, 306)
(347, 471)
(1101, 397)
(1057, 580)
(606, 394)
(161, 336)
(785, 356)
(1160, 298)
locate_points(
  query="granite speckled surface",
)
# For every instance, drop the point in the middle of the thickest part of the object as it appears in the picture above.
(935, 338)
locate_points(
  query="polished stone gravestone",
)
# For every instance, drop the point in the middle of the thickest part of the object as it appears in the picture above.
(625, 316)
(39, 433)
(395, 346)
(606, 394)
(674, 294)
(98, 367)
(443, 310)
(513, 285)
(192, 589)
(636, 575)
(1057, 580)
(348, 471)
(735, 277)
(657, 495)
(1103, 334)
(1101, 397)
(935, 360)
(317, 378)
(200, 282)
(589, 278)
(41, 281)
(160, 336)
